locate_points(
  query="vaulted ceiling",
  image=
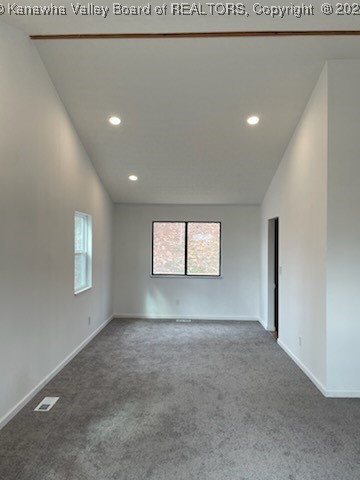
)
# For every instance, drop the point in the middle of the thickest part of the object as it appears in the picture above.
(184, 102)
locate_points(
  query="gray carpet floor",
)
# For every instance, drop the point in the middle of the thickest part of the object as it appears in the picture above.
(169, 401)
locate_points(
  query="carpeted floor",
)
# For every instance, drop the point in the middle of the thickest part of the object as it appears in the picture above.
(170, 401)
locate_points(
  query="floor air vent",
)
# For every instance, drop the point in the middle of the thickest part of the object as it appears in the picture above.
(46, 404)
(183, 320)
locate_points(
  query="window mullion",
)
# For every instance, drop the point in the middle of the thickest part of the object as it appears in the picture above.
(186, 248)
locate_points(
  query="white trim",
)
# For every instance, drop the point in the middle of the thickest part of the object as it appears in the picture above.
(177, 277)
(266, 327)
(343, 394)
(316, 382)
(307, 372)
(154, 316)
(13, 411)
(85, 289)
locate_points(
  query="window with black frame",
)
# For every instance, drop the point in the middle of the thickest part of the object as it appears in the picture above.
(186, 249)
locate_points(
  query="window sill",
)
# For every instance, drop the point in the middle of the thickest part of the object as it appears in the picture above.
(82, 290)
(207, 277)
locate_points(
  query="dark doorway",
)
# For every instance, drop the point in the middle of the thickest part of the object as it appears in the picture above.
(273, 276)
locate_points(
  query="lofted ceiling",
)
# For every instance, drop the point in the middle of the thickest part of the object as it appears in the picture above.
(184, 102)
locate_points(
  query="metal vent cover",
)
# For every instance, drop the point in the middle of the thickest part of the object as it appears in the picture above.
(46, 404)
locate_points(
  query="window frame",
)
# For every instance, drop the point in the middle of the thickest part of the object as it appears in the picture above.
(185, 275)
(86, 253)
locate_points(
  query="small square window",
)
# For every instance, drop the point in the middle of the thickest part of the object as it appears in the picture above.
(82, 252)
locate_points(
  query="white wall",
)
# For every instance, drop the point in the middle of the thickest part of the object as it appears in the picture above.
(297, 195)
(343, 283)
(45, 176)
(235, 296)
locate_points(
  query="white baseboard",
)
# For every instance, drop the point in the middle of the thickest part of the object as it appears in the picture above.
(150, 316)
(316, 382)
(343, 394)
(265, 326)
(9, 415)
(307, 372)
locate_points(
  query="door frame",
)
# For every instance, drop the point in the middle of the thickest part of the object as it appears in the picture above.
(273, 276)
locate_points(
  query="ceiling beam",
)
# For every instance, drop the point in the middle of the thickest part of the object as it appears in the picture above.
(283, 33)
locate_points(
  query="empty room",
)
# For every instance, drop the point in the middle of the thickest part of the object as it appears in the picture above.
(179, 242)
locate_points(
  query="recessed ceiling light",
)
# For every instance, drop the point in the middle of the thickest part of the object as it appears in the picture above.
(114, 120)
(133, 178)
(253, 120)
